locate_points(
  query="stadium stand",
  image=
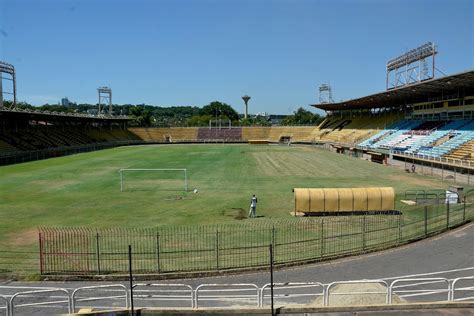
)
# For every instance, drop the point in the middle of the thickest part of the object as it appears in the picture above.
(331, 130)
(25, 131)
(432, 138)
(23, 140)
(111, 135)
(435, 121)
(234, 134)
(293, 133)
(463, 152)
(163, 135)
(226, 134)
(255, 133)
(353, 130)
(6, 147)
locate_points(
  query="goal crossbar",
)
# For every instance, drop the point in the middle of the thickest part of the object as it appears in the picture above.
(121, 171)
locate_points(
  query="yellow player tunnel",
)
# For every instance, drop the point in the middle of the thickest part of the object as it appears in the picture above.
(324, 200)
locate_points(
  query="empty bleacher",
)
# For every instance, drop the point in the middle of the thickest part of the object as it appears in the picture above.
(352, 130)
(294, 133)
(278, 133)
(163, 135)
(255, 133)
(24, 140)
(233, 134)
(108, 135)
(6, 147)
(463, 152)
(430, 138)
(47, 138)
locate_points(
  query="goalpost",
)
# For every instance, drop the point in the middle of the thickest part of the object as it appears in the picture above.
(122, 171)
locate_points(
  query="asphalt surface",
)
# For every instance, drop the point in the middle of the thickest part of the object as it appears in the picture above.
(449, 255)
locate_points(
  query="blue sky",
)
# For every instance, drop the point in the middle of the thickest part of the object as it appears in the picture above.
(190, 52)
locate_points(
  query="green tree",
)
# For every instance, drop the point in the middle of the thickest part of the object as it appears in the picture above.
(302, 117)
(255, 121)
(21, 105)
(221, 110)
(199, 120)
(141, 115)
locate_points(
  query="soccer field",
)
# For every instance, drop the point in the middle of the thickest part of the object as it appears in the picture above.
(84, 189)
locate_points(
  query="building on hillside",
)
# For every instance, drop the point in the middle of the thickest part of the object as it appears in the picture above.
(65, 102)
(276, 118)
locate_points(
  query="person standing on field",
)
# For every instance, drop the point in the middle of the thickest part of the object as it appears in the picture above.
(253, 207)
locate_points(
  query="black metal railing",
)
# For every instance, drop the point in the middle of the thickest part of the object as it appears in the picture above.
(222, 247)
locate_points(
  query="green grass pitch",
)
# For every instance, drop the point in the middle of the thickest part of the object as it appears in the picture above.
(84, 189)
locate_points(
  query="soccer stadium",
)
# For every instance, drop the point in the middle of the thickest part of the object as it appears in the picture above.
(367, 211)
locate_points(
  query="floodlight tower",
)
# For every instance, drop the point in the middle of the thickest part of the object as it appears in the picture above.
(9, 70)
(325, 93)
(105, 96)
(411, 67)
(246, 99)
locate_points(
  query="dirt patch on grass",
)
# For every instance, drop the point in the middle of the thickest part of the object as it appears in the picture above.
(417, 181)
(23, 238)
(236, 213)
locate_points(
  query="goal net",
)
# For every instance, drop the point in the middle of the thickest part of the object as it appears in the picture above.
(153, 180)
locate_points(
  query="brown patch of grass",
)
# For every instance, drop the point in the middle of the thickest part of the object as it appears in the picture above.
(22, 238)
(236, 213)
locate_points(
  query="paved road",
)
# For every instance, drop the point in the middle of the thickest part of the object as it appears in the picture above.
(451, 253)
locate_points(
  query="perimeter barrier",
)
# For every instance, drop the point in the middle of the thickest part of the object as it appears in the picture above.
(211, 248)
(234, 295)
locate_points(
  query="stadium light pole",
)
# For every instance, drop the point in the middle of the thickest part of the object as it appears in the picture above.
(246, 99)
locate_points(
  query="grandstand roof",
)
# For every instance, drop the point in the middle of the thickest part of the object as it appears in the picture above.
(413, 93)
(58, 116)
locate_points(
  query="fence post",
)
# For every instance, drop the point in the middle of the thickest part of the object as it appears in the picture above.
(447, 213)
(130, 276)
(322, 237)
(217, 249)
(273, 240)
(97, 252)
(464, 210)
(271, 278)
(399, 229)
(158, 252)
(40, 237)
(363, 233)
(426, 220)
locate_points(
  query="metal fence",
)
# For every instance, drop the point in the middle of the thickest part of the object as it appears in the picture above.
(48, 300)
(444, 160)
(92, 251)
(19, 261)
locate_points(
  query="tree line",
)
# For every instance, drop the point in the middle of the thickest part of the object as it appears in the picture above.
(155, 116)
